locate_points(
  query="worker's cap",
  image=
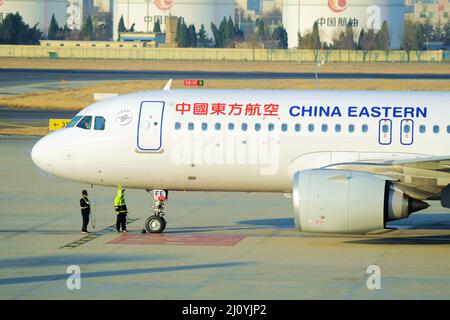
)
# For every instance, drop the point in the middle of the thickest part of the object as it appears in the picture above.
(84, 192)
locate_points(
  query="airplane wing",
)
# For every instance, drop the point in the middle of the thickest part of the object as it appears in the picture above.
(423, 178)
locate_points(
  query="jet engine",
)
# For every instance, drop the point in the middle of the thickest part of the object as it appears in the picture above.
(349, 202)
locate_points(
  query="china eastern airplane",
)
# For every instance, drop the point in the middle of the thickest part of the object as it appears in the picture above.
(350, 160)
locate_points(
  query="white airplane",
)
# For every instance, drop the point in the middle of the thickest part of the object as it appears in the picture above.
(351, 160)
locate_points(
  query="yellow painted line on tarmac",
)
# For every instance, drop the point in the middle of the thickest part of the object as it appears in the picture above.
(93, 236)
(10, 124)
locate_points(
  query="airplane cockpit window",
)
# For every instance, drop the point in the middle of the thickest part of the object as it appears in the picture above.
(85, 123)
(74, 121)
(100, 123)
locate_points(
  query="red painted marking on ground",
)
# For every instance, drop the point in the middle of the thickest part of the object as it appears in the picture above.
(180, 240)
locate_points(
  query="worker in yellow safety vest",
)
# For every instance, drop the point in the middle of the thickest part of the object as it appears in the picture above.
(121, 210)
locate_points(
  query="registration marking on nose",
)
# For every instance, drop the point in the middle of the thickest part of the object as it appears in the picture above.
(180, 240)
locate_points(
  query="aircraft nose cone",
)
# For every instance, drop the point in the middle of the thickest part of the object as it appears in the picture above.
(41, 155)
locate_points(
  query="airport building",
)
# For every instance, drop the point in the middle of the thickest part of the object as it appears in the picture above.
(434, 11)
(333, 16)
(36, 12)
(143, 13)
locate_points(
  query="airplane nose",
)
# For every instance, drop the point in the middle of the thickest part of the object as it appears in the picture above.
(41, 154)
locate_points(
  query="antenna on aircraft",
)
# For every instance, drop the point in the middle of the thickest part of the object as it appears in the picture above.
(168, 85)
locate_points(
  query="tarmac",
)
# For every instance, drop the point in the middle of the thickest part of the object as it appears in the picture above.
(216, 246)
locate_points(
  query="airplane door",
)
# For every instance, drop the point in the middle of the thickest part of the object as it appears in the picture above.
(407, 132)
(385, 132)
(151, 115)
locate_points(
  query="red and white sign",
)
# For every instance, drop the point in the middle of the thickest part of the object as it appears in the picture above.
(163, 4)
(337, 5)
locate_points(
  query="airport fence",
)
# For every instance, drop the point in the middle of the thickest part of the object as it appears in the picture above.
(213, 54)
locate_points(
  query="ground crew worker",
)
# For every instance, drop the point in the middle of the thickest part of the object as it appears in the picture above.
(85, 210)
(121, 210)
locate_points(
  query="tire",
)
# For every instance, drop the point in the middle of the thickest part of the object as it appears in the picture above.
(155, 224)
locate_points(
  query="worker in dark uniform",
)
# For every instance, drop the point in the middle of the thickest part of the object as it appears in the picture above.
(85, 210)
(121, 210)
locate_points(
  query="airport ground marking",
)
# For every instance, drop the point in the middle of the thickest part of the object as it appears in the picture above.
(179, 239)
(93, 236)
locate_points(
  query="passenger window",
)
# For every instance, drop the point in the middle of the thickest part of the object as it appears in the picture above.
(218, 126)
(298, 127)
(385, 128)
(74, 121)
(204, 126)
(284, 127)
(422, 129)
(364, 128)
(85, 123)
(351, 128)
(257, 127)
(244, 127)
(100, 123)
(231, 126)
(324, 128)
(190, 126)
(310, 127)
(436, 129)
(448, 129)
(338, 128)
(271, 127)
(177, 126)
(407, 128)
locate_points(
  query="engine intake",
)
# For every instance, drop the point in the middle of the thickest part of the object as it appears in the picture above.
(339, 201)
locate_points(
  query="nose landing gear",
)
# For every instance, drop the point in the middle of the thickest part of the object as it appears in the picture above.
(156, 223)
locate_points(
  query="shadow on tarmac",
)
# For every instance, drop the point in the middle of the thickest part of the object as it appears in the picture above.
(114, 273)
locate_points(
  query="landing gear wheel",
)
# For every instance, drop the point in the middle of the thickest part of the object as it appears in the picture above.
(155, 224)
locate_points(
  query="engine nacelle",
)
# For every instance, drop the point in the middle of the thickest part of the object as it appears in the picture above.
(338, 201)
